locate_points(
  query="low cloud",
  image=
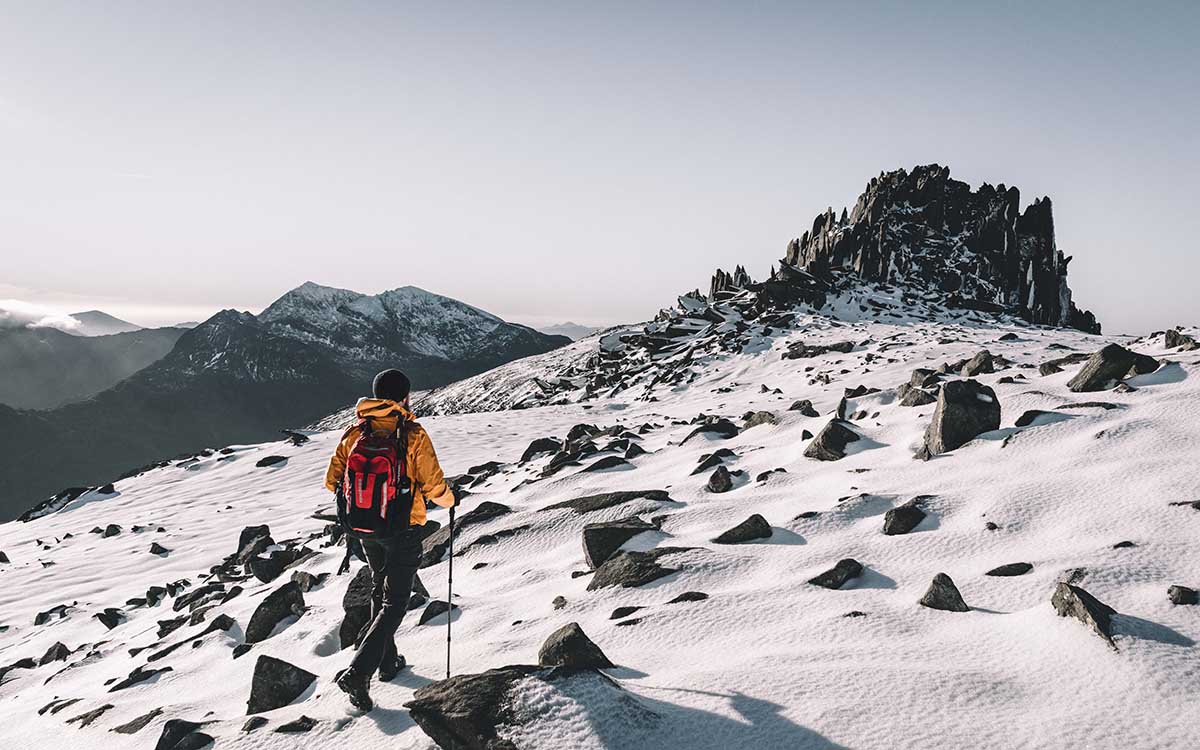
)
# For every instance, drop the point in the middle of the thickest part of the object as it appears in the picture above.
(17, 314)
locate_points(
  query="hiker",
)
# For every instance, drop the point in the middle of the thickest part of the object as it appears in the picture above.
(383, 471)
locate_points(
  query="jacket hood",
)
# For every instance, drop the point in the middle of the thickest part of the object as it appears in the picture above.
(382, 408)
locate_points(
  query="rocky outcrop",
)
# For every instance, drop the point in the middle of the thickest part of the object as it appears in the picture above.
(1072, 601)
(276, 684)
(921, 228)
(569, 646)
(965, 409)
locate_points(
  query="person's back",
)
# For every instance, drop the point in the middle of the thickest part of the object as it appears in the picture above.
(388, 436)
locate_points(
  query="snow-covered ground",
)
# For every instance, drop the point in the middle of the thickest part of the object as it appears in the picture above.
(768, 660)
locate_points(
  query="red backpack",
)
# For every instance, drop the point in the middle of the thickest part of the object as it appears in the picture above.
(376, 497)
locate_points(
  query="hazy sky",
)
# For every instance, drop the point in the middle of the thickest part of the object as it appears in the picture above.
(576, 160)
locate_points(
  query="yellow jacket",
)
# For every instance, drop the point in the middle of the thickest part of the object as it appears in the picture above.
(423, 467)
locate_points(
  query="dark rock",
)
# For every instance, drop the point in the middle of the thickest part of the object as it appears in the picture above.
(434, 546)
(297, 726)
(943, 594)
(138, 675)
(634, 450)
(58, 612)
(601, 540)
(830, 443)
(1029, 416)
(754, 419)
(689, 596)
(539, 446)
(965, 409)
(559, 602)
(910, 396)
(253, 723)
(1173, 339)
(110, 530)
(570, 647)
(276, 684)
(1109, 364)
(110, 617)
(174, 731)
(1072, 601)
(720, 481)
(806, 435)
(1011, 569)
(4, 558)
(805, 407)
(267, 569)
(923, 377)
(434, 609)
(136, 725)
(270, 461)
(158, 549)
(855, 613)
(1183, 595)
(903, 518)
(86, 719)
(620, 612)
(607, 462)
(801, 350)
(57, 652)
(241, 649)
(630, 569)
(754, 527)
(283, 602)
(590, 503)
(980, 364)
(1124, 545)
(305, 580)
(721, 428)
(839, 574)
(991, 526)
(1048, 368)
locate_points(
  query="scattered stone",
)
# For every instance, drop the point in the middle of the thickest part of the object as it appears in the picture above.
(754, 419)
(754, 527)
(110, 617)
(620, 612)
(85, 719)
(1173, 339)
(1029, 416)
(110, 530)
(965, 409)
(631, 569)
(805, 407)
(1048, 368)
(570, 647)
(720, 481)
(539, 446)
(721, 428)
(980, 364)
(602, 540)
(136, 725)
(57, 652)
(1183, 595)
(689, 596)
(176, 731)
(435, 609)
(559, 602)
(276, 684)
(943, 594)
(283, 602)
(58, 612)
(607, 462)
(1124, 545)
(270, 461)
(1011, 569)
(1109, 364)
(253, 723)
(4, 558)
(839, 575)
(830, 443)
(855, 613)
(1072, 601)
(138, 675)
(592, 503)
(297, 726)
(158, 549)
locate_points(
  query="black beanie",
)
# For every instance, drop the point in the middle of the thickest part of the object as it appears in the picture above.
(392, 385)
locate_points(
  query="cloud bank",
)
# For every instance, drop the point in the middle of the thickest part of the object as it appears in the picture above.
(17, 314)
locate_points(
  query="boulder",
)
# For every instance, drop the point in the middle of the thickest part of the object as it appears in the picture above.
(57, 652)
(943, 594)
(1103, 368)
(135, 725)
(903, 518)
(283, 602)
(270, 461)
(839, 575)
(276, 684)
(720, 481)
(630, 569)
(1174, 339)
(1182, 595)
(110, 530)
(805, 407)
(1011, 569)
(620, 612)
(689, 596)
(965, 409)
(980, 364)
(754, 527)
(569, 646)
(435, 609)
(910, 396)
(607, 462)
(830, 443)
(110, 617)
(590, 503)
(601, 540)
(1072, 601)
(158, 549)
(297, 726)
(754, 419)
(539, 446)
(1048, 368)
(720, 428)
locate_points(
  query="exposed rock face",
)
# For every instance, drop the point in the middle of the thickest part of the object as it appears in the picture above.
(569, 646)
(1072, 601)
(754, 527)
(923, 228)
(630, 569)
(275, 684)
(1107, 365)
(943, 594)
(903, 518)
(830, 443)
(839, 574)
(283, 602)
(601, 540)
(965, 409)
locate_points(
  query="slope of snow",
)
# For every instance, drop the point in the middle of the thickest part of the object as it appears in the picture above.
(767, 660)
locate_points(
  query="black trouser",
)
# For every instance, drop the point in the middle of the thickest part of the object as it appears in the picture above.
(393, 566)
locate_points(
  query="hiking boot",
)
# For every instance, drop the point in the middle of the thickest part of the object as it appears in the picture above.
(390, 668)
(357, 688)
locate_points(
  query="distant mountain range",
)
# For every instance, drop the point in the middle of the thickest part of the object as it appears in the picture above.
(97, 323)
(573, 331)
(239, 377)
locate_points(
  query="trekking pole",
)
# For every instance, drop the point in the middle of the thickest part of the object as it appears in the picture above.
(450, 592)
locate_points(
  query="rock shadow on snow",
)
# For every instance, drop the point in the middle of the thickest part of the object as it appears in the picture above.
(1147, 630)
